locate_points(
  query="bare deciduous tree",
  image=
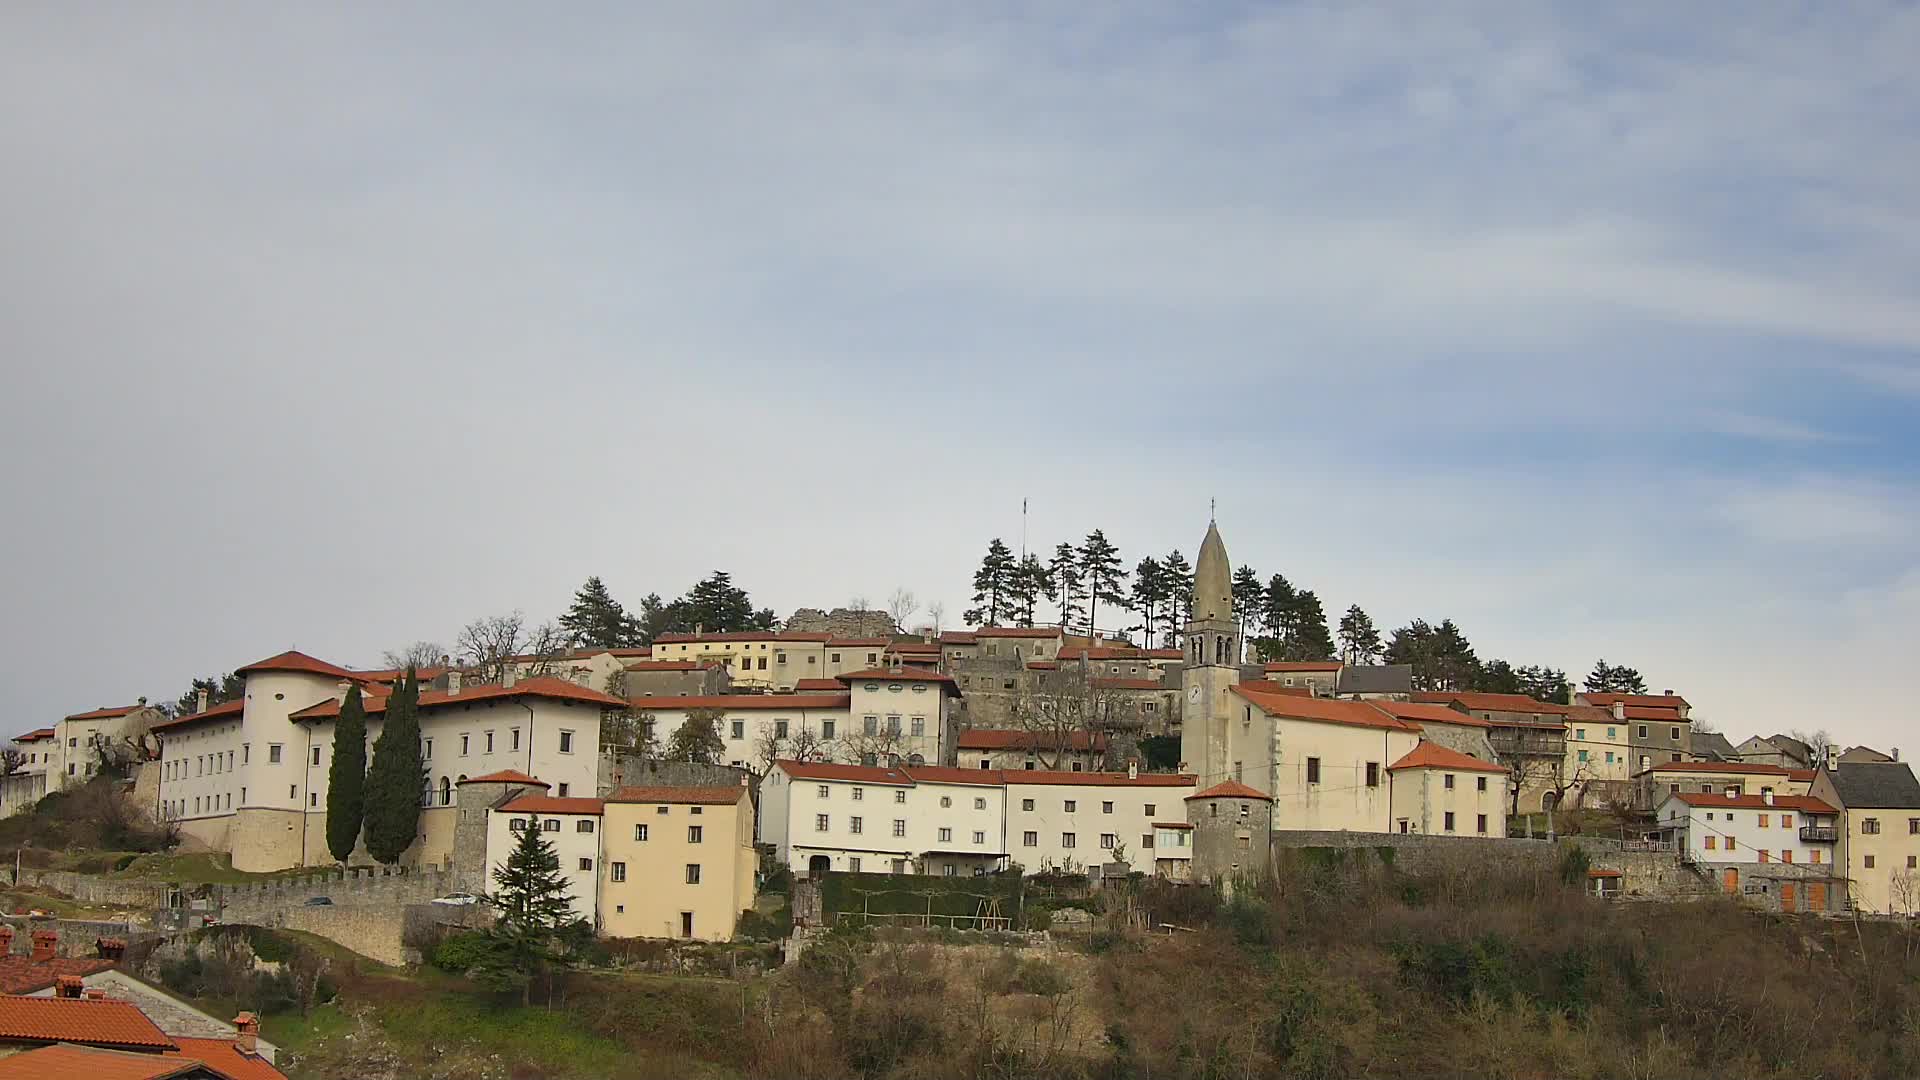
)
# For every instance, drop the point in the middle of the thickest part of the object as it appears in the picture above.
(804, 744)
(1069, 706)
(488, 645)
(1818, 743)
(885, 745)
(901, 606)
(12, 761)
(419, 654)
(936, 614)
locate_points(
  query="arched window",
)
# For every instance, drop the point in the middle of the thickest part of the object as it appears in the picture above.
(446, 792)
(461, 779)
(916, 760)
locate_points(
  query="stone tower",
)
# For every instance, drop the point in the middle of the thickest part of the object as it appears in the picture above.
(1212, 665)
(1231, 825)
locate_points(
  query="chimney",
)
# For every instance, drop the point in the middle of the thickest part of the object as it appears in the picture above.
(202, 700)
(68, 986)
(1767, 796)
(6, 940)
(246, 1034)
(1619, 710)
(1666, 693)
(1133, 768)
(453, 682)
(45, 945)
(1896, 753)
(509, 671)
(93, 993)
(142, 702)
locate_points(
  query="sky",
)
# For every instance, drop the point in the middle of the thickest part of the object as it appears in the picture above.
(1591, 327)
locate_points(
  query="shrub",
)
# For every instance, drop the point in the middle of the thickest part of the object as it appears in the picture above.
(1574, 865)
(1038, 917)
(459, 953)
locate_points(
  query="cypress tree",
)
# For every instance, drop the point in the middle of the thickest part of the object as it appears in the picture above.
(397, 777)
(347, 777)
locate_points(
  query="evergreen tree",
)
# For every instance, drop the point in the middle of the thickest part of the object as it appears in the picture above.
(220, 689)
(597, 620)
(1610, 679)
(1497, 677)
(347, 777)
(1359, 641)
(697, 738)
(1309, 624)
(993, 587)
(1180, 591)
(1249, 600)
(530, 892)
(655, 618)
(1064, 575)
(717, 605)
(1029, 582)
(1277, 613)
(1105, 577)
(1149, 594)
(1441, 657)
(398, 775)
(1545, 684)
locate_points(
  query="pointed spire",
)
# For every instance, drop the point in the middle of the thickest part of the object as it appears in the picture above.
(1213, 579)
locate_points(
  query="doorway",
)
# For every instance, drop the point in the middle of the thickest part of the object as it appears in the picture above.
(1786, 896)
(686, 924)
(818, 866)
(1731, 879)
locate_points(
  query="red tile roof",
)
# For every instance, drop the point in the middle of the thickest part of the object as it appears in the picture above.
(223, 1056)
(1419, 712)
(957, 637)
(1302, 665)
(541, 687)
(741, 635)
(1665, 716)
(1745, 767)
(902, 674)
(21, 974)
(937, 774)
(293, 660)
(1042, 665)
(506, 776)
(1097, 779)
(702, 796)
(1017, 632)
(828, 770)
(1803, 775)
(1229, 789)
(64, 1061)
(747, 702)
(1103, 652)
(107, 714)
(1661, 701)
(913, 647)
(1323, 710)
(102, 1022)
(35, 735)
(1516, 703)
(830, 686)
(226, 710)
(1804, 803)
(1006, 739)
(549, 804)
(1434, 756)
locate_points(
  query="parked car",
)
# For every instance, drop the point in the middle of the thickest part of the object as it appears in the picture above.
(319, 901)
(457, 899)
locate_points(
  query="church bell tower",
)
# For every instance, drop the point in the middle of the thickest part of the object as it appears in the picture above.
(1211, 666)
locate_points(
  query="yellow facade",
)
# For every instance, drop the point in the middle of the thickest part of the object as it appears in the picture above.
(649, 849)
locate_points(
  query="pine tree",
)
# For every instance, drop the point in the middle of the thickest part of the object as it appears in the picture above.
(597, 620)
(1359, 641)
(530, 893)
(398, 775)
(347, 777)
(1029, 582)
(1249, 600)
(1440, 656)
(993, 587)
(1309, 623)
(1278, 613)
(1545, 684)
(1497, 677)
(1180, 591)
(697, 738)
(1609, 679)
(1149, 594)
(220, 689)
(1100, 568)
(1064, 575)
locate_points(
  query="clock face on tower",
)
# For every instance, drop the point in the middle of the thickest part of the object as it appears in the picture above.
(1193, 695)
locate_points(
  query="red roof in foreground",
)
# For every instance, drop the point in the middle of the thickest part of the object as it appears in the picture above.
(35, 735)
(1229, 789)
(106, 714)
(1272, 700)
(222, 711)
(1434, 756)
(541, 687)
(294, 660)
(79, 1020)
(506, 776)
(20, 974)
(828, 770)
(68, 1062)
(223, 1056)
(818, 686)
(1712, 800)
(703, 796)
(549, 804)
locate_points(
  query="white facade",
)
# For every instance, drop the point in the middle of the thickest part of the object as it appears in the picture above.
(572, 826)
(1750, 828)
(1323, 761)
(746, 720)
(1442, 792)
(905, 712)
(1070, 821)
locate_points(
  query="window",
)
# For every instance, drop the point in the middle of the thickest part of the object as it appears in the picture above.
(586, 863)
(1643, 731)
(819, 823)
(617, 871)
(946, 800)
(870, 725)
(1866, 861)
(1913, 861)
(514, 738)
(1149, 809)
(1580, 733)
(1030, 839)
(1870, 826)
(693, 878)
(489, 742)
(1076, 767)
(919, 725)
(979, 837)
(1814, 856)
(1582, 755)
(550, 825)
(1482, 823)
(1763, 821)
(855, 825)
(1729, 844)
(859, 794)
(900, 797)
(1066, 840)
(893, 725)
(466, 744)
(1107, 841)
(246, 753)
(1786, 855)
(1786, 821)
(566, 742)
(1313, 770)
(763, 663)
(1763, 855)
(949, 870)
(640, 832)
(1106, 808)
(946, 836)
(1710, 843)
(316, 756)
(824, 791)
(779, 729)
(563, 789)
(1072, 805)
(426, 749)
(695, 833)
(1449, 825)
(1913, 826)
(1373, 774)
(899, 827)
(273, 754)
(979, 804)
(661, 809)
(853, 861)
(1480, 784)
(1146, 841)
(826, 730)
(1026, 804)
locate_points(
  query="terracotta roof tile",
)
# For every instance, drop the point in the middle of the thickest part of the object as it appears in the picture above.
(701, 796)
(859, 643)
(1303, 665)
(907, 674)
(1743, 767)
(957, 637)
(1042, 665)
(21, 974)
(741, 635)
(540, 687)
(1097, 779)
(1017, 632)
(1804, 803)
(1271, 701)
(226, 710)
(1428, 755)
(35, 735)
(1641, 712)
(222, 1055)
(65, 1061)
(938, 774)
(79, 1020)
(1665, 701)
(914, 647)
(549, 804)
(1229, 789)
(293, 660)
(107, 714)
(1417, 712)
(1485, 702)
(828, 770)
(506, 776)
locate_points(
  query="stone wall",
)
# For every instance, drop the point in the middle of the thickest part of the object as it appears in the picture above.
(1417, 852)
(372, 932)
(74, 937)
(840, 622)
(359, 887)
(622, 770)
(92, 889)
(1645, 875)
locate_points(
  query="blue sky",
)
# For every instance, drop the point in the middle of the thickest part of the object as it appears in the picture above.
(1589, 326)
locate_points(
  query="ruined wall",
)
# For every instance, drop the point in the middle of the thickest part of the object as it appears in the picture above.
(618, 770)
(840, 622)
(1418, 852)
(91, 889)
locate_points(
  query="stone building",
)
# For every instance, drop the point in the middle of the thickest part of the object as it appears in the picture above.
(1231, 825)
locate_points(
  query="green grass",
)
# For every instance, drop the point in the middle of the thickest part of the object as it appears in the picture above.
(297, 1034)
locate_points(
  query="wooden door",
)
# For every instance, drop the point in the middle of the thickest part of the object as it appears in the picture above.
(1816, 896)
(1731, 879)
(1786, 896)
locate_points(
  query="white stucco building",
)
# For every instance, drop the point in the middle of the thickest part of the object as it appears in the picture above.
(1723, 828)
(571, 825)
(1443, 792)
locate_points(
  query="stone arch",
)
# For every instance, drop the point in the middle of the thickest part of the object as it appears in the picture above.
(446, 791)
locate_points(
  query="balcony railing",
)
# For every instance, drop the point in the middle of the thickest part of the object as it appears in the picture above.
(1819, 834)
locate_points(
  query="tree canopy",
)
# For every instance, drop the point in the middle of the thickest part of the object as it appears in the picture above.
(347, 777)
(1614, 679)
(697, 738)
(596, 619)
(398, 776)
(993, 587)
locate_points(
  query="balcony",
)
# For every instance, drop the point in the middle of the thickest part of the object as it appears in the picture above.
(1819, 834)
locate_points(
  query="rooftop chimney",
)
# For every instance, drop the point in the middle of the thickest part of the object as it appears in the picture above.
(45, 944)
(202, 700)
(246, 1034)
(110, 948)
(6, 940)
(1619, 710)
(508, 673)
(142, 702)
(93, 993)
(1767, 796)
(453, 682)
(67, 986)
(1896, 753)
(1133, 768)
